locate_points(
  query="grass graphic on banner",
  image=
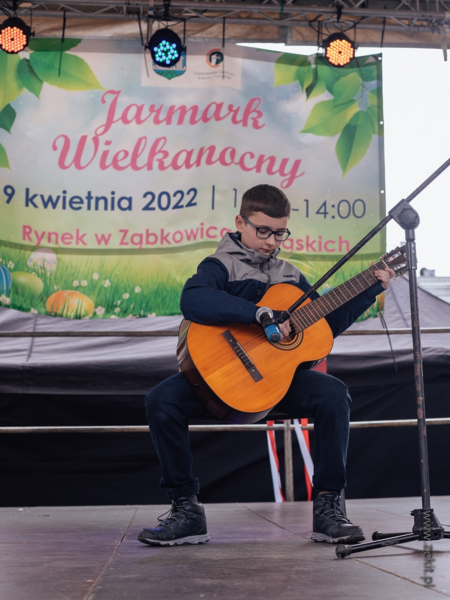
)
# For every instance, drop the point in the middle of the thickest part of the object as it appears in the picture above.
(118, 287)
(114, 285)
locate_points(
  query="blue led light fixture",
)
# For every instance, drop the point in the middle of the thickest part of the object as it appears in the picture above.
(165, 47)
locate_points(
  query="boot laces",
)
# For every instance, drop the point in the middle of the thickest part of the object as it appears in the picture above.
(177, 512)
(333, 511)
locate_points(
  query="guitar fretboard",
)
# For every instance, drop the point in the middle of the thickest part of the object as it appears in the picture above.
(307, 315)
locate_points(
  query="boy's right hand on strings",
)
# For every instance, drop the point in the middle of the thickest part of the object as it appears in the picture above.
(285, 329)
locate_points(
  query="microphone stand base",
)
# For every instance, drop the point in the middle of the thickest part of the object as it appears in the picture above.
(426, 528)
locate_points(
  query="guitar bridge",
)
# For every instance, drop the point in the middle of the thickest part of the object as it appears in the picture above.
(242, 355)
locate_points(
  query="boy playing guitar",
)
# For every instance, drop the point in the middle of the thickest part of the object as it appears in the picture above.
(225, 290)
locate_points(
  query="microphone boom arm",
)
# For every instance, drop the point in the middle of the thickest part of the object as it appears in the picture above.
(287, 313)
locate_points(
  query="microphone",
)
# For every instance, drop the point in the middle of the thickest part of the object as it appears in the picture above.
(264, 316)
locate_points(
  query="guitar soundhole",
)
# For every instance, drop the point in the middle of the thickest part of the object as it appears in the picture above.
(289, 343)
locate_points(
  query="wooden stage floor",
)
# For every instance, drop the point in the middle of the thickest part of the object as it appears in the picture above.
(257, 551)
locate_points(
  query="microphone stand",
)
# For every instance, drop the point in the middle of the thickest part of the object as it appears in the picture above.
(287, 313)
(426, 525)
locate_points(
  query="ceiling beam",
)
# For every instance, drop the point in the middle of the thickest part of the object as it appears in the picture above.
(394, 19)
(227, 7)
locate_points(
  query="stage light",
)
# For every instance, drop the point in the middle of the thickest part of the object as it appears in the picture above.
(339, 50)
(14, 35)
(165, 47)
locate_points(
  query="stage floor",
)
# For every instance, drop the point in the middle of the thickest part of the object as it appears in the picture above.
(257, 551)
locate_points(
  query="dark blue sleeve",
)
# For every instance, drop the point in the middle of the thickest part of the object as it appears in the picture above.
(204, 298)
(340, 319)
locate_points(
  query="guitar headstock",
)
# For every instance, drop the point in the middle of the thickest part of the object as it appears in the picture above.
(396, 260)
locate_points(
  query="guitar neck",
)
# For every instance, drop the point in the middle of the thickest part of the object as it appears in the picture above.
(307, 315)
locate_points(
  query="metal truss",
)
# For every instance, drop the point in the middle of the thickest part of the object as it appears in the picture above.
(403, 16)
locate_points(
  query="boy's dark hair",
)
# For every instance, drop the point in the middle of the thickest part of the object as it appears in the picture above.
(267, 199)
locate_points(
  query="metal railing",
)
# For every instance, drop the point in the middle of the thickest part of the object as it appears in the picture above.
(172, 333)
(287, 426)
(202, 428)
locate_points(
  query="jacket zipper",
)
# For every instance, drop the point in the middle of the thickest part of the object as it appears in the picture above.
(269, 279)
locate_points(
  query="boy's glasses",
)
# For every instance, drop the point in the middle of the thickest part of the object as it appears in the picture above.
(264, 233)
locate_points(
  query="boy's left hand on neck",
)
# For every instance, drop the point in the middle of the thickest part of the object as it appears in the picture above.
(385, 276)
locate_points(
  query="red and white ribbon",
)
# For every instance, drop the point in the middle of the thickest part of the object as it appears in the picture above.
(304, 450)
(303, 441)
(274, 465)
(308, 481)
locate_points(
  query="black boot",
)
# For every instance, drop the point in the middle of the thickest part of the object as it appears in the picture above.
(185, 524)
(330, 523)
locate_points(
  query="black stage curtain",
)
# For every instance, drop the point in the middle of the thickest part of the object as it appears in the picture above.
(104, 469)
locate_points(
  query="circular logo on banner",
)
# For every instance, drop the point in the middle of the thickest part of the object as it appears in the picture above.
(214, 58)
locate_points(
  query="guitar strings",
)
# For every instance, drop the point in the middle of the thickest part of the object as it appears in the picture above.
(297, 318)
(296, 322)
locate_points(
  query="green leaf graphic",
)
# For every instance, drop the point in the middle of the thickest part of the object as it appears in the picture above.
(346, 89)
(29, 78)
(376, 97)
(374, 111)
(316, 88)
(305, 75)
(370, 58)
(76, 74)
(367, 67)
(4, 162)
(369, 71)
(331, 75)
(375, 117)
(290, 68)
(7, 116)
(52, 45)
(354, 141)
(10, 84)
(326, 119)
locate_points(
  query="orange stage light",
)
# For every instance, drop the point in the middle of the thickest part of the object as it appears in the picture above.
(14, 35)
(339, 50)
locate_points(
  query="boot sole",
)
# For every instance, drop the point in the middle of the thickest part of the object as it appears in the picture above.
(192, 539)
(349, 539)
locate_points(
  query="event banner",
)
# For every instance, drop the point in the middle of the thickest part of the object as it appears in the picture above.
(118, 179)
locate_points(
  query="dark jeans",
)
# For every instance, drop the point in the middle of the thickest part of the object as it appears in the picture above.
(172, 403)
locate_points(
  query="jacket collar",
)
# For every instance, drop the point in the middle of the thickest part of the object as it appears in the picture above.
(231, 244)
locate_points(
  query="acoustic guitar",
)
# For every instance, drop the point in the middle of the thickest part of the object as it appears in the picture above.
(239, 375)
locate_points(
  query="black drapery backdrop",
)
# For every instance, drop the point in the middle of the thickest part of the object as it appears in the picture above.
(98, 469)
(102, 381)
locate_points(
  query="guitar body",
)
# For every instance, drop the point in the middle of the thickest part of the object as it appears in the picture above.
(236, 372)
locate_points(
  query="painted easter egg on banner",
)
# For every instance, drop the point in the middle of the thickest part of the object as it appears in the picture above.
(43, 259)
(70, 304)
(5, 280)
(26, 284)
